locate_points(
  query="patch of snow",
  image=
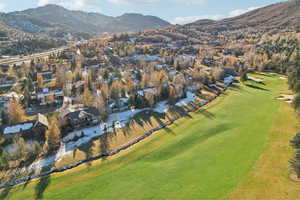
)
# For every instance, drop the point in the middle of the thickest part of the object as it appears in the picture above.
(147, 90)
(184, 102)
(228, 80)
(162, 107)
(123, 117)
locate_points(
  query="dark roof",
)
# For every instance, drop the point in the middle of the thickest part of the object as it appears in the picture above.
(78, 114)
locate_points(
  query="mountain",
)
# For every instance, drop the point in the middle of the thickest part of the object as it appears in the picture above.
(56, 21)
(202, 22)
(276, 16)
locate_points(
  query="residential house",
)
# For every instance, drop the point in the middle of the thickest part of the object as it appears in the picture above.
(34, 129)
(82, 118)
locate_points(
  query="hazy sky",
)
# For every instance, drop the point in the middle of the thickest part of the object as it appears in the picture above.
(175, 11)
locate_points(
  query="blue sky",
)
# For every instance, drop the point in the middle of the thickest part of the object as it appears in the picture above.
(175, 11)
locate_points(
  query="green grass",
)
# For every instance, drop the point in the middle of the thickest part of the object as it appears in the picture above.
(205, 156)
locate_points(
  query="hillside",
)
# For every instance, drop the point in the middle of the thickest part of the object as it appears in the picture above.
(276, 16)
(56, 21)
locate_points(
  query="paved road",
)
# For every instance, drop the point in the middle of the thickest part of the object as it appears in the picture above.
(18, 59)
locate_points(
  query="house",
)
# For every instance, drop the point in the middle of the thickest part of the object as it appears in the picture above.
(34, 129)
(82, 118)
(120, 105)
(49, 95)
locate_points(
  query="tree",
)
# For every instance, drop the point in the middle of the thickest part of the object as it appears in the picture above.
(40, 80)
(244, 76)
(145, 80)
(87, 97)
(116, 90)
(105, 91)
(130, 85)
(295, 142)
(16, 112)
(53, 135)
(295, 163)
(4, 117)
(150, 98)
(296, 102)
(296, 87)
(101, 106)
(172, 96)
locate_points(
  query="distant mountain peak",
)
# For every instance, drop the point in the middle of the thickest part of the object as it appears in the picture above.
(57, 21)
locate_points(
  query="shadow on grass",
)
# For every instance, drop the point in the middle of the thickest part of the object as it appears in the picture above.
(4, 193)
(206, 113)
(235, 87)
(187, 143)
(45, 179)
(256, 87)
(41, 186)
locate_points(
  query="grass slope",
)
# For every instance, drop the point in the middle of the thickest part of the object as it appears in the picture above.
(204, 156)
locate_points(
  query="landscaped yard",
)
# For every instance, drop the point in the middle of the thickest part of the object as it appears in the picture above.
(237, 147)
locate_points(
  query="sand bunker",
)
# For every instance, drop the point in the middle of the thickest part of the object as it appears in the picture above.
(286, 97)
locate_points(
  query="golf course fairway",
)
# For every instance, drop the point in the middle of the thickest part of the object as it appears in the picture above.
(215, 153)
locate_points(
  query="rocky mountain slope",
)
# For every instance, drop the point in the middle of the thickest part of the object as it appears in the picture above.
(276, 16)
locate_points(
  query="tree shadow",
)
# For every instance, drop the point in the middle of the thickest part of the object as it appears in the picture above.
(206, 114)
(256, 87)
(179, 112)
(235, 87)
(87, 149)
(28, 180)
(41, 186)
(104, 145)
(45, 177)
(5, 192)
(190, 142)
(145, 117)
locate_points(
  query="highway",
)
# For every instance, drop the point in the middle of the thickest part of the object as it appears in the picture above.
(21, 59)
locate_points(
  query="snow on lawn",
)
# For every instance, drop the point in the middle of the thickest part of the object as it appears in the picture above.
(123, 117)
(228, 80)
(184, 102)
(162, 107)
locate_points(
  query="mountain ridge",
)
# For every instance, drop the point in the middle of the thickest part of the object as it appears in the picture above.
(279, 15)
(57, 21)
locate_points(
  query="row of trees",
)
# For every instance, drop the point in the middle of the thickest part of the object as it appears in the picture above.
(294, 84)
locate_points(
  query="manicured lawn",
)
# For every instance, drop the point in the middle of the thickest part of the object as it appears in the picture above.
(205, 156)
